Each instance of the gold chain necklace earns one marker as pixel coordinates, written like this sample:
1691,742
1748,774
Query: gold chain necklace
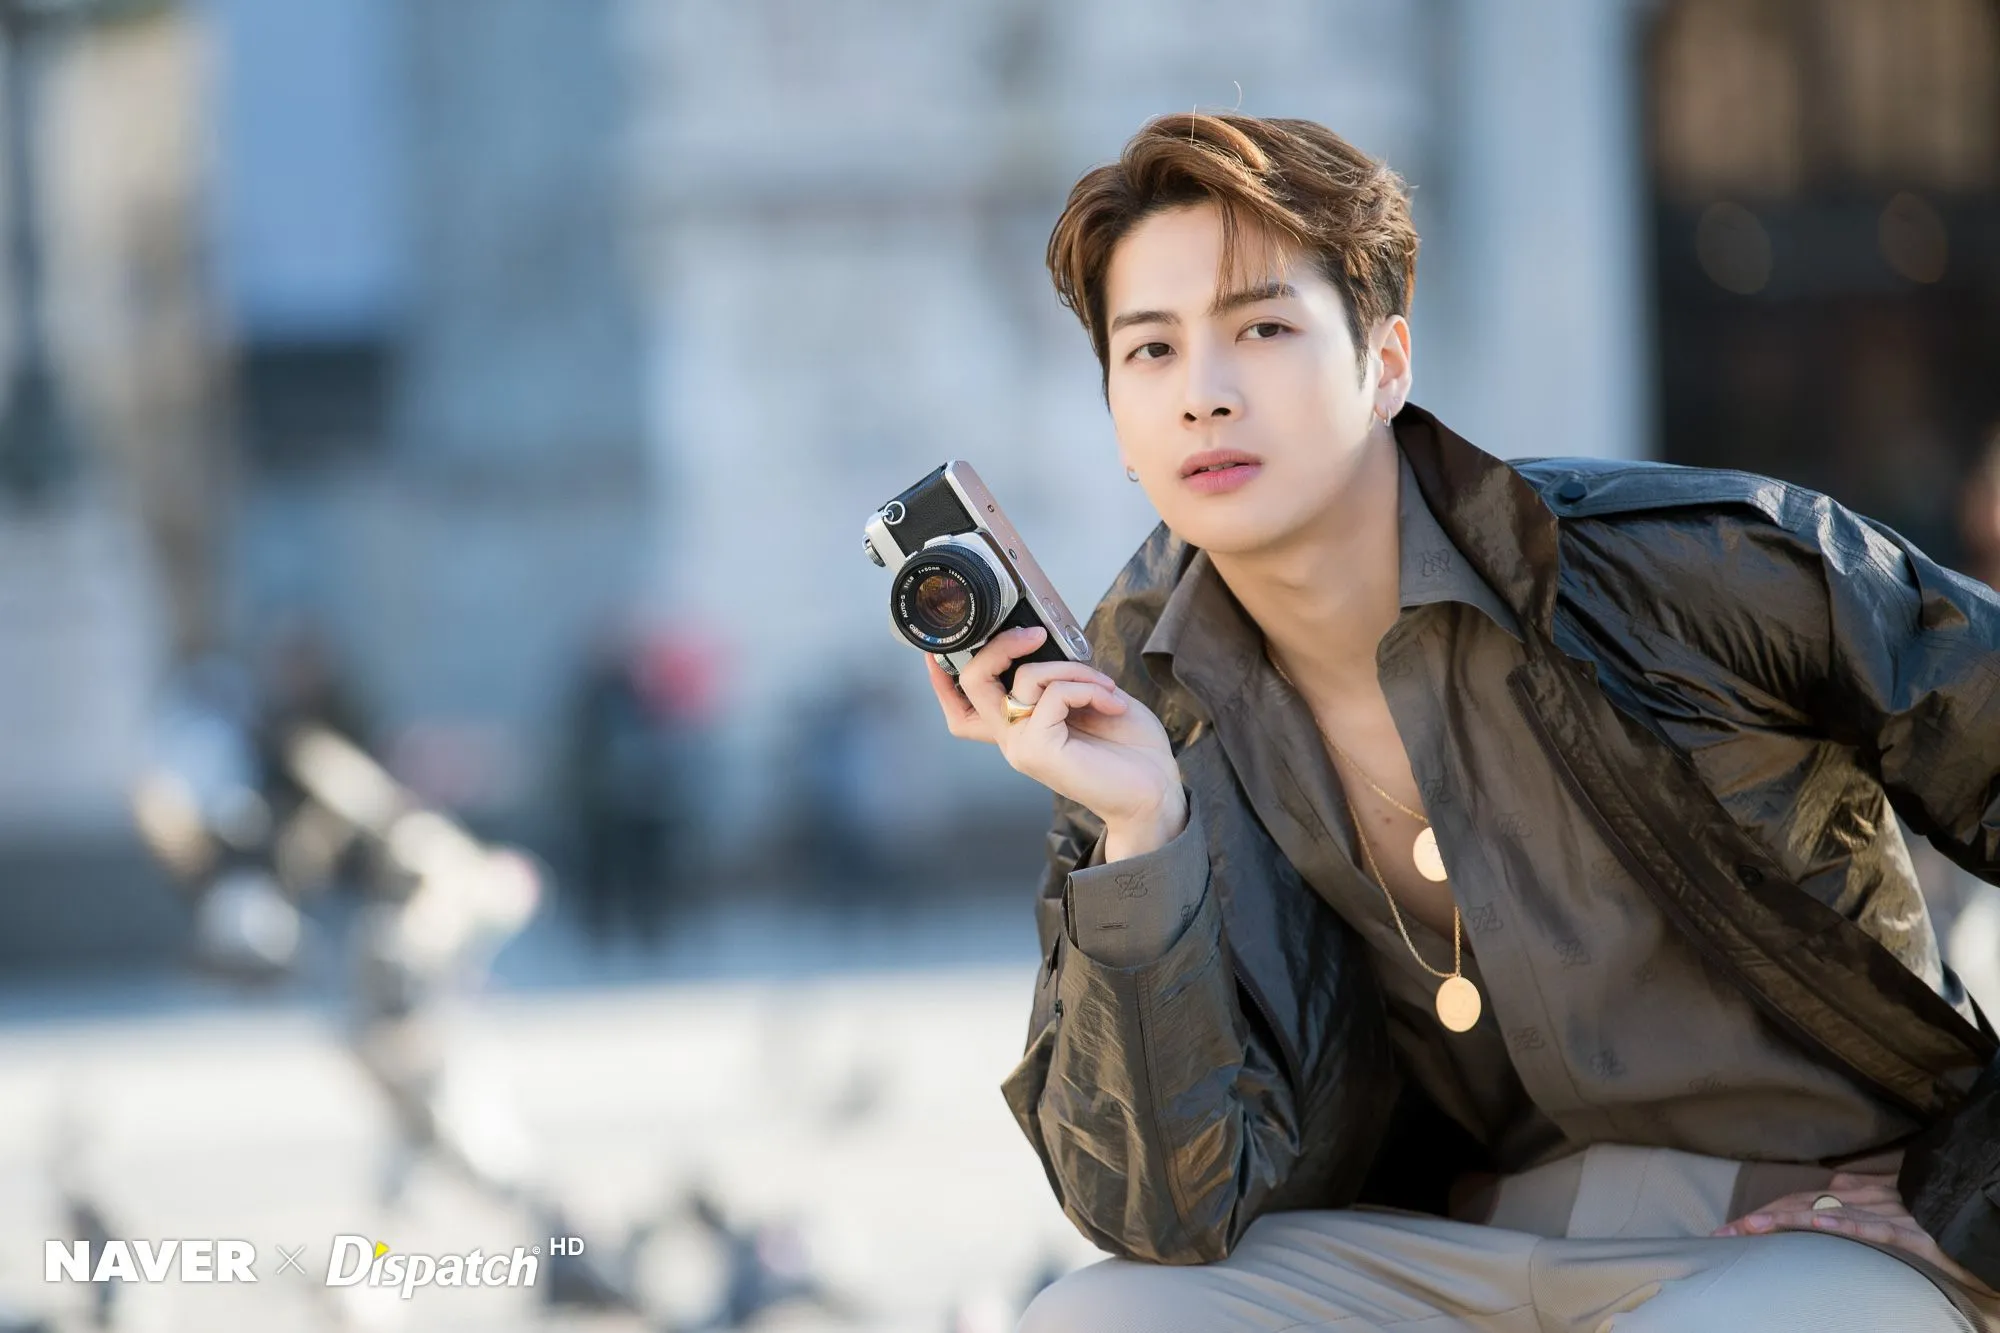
1458,1002
1430,861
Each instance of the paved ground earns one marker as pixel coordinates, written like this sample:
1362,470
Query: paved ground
835,1070
842,1075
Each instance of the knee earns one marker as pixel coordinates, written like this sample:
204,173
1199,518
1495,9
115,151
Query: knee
1117,1295
1799,1282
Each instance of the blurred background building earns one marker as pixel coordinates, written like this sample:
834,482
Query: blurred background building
465,348
506,384
468,347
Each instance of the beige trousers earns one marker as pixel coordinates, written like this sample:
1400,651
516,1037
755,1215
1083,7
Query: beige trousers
1612,1240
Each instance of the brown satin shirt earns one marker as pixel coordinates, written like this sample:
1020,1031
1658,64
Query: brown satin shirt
1601,1023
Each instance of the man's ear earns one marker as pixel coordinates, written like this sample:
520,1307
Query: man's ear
1391,360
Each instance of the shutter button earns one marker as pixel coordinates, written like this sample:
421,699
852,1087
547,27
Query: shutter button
1572,490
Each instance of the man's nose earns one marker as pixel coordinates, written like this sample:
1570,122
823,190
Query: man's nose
1210,391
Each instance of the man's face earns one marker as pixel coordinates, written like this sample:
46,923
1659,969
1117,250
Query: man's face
1265,369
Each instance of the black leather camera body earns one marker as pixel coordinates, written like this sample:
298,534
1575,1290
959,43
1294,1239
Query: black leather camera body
962,573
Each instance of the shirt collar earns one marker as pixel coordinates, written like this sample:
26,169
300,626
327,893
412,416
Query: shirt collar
1203,631
1432,569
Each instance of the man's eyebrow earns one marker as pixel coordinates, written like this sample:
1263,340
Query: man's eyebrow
1144,317
1270,291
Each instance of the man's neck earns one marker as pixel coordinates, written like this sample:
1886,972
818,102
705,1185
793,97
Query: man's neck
1325,597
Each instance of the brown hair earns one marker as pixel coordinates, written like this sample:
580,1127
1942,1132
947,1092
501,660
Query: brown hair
1298,182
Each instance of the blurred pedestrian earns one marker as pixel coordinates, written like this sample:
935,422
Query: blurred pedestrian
1979,513
636,737
301,683
844,790
1967,908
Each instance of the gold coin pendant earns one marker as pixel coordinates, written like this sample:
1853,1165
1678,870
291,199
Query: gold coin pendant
1430,861
1458,1004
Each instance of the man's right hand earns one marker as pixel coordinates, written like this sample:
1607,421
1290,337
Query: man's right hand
1087,739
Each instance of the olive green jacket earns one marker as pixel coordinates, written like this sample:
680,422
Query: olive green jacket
1249,1069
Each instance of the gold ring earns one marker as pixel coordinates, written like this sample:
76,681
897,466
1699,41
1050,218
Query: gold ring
1015,709
1826,1201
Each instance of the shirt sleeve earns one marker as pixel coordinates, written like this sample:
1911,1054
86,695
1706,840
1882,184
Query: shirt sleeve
1130,912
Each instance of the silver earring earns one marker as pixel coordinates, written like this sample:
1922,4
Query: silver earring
1131,475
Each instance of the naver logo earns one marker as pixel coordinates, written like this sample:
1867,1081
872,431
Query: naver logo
149,1261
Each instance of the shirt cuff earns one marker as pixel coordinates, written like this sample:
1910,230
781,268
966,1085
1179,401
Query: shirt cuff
1130,912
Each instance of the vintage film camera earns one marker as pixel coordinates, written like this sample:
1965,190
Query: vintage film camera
962,574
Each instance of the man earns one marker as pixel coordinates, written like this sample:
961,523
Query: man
1473,902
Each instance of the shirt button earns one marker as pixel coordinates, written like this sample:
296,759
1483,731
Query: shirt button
1572,490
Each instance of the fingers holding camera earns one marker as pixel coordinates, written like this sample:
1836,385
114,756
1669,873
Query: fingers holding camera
1082,737
975,707
1031,679
979,679
1055,702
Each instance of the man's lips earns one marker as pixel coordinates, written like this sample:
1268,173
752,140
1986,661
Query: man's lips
1210,459
1229,477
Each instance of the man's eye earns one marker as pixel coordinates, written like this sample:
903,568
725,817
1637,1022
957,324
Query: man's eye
1274,328
1145,352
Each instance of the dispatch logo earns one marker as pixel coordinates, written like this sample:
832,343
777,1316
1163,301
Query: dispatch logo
356,1260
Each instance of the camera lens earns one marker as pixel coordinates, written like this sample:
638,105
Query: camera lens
945,598
942,602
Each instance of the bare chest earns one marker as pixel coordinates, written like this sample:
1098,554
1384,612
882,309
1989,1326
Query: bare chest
1369,756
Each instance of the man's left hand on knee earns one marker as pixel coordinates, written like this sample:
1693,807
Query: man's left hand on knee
1871,1209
